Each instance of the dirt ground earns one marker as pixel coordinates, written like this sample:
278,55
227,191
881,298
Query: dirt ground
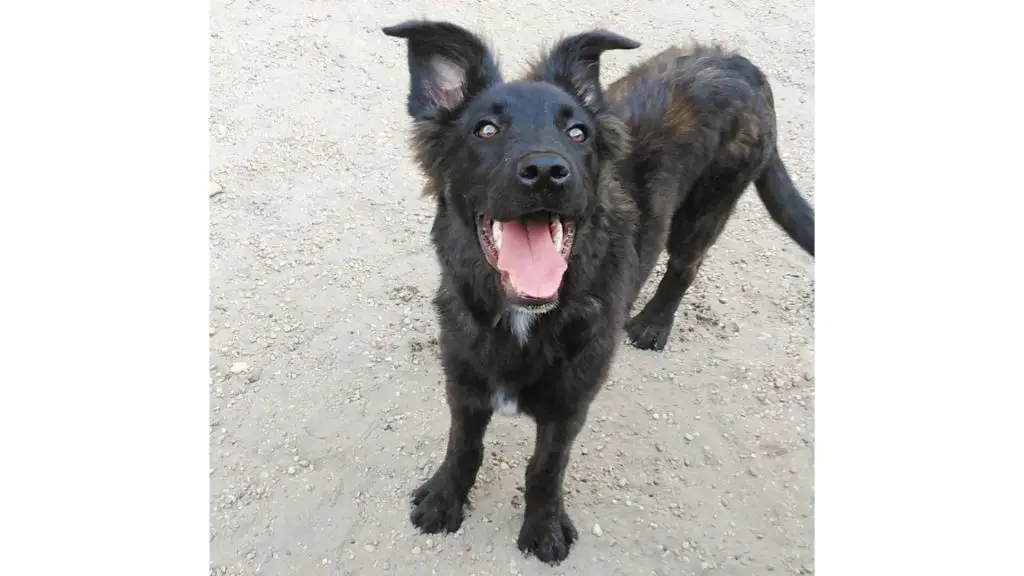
326,395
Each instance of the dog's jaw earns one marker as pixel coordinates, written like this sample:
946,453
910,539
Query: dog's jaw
492,237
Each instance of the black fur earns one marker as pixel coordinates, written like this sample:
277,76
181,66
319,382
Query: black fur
665,157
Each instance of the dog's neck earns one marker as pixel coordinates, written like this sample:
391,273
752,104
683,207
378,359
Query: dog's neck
520,323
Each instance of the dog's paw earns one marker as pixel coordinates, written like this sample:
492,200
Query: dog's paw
436,508
548,537
647,335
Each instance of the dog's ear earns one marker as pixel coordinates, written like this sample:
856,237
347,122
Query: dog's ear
574,64
448,65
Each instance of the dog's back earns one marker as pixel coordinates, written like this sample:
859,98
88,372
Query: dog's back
703,129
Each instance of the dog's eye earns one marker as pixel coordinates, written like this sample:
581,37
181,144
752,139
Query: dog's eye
577,133
486,130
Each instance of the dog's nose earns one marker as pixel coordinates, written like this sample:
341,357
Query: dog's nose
538,169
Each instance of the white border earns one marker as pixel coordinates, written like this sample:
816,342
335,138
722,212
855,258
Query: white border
918,324
104,214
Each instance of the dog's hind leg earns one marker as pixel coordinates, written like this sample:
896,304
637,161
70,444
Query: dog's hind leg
695,227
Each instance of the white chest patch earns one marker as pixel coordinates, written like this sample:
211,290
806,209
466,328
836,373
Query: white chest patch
520,323
503,403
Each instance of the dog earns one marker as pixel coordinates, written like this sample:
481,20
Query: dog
554,197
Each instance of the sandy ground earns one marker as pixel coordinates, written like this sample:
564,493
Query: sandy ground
325,386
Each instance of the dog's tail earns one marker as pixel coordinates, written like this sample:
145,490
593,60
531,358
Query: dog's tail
785,204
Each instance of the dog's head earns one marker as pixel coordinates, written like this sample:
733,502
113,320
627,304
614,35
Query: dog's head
519,163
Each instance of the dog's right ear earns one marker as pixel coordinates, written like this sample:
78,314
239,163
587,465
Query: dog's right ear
448,65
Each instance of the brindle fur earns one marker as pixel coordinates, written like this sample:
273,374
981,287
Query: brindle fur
674,143
702,122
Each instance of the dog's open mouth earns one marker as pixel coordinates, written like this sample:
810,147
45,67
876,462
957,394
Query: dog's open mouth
531,254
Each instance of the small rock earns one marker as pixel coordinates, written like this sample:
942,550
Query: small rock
369,547
430,543
688,437
808,376
753,472
622,482
722,300
597,530
504,466
658,447
807,568
256,374
416,550
304,463
239,367
291,469
215,189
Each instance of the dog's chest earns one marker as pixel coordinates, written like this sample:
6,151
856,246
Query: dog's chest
504,398
504,401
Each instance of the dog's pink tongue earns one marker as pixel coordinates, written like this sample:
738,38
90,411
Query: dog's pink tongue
530,258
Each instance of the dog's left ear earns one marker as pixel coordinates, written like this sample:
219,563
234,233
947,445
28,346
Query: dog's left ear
448,65
574,64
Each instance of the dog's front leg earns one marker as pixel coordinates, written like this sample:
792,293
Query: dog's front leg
438,503
547,531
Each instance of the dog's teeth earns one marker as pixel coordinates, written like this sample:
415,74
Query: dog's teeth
556,232
496,234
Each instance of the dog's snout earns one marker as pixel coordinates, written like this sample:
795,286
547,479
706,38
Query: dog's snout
539,169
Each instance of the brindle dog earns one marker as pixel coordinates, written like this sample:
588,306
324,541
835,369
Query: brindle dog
553,199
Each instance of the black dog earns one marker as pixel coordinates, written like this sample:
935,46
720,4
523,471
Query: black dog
554,200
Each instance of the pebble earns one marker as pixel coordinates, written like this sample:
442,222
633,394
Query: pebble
622,482
215,189
504,466
722,300
369,547
239,367
597,530
291,469
688,437
416,550
256,374
430,543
